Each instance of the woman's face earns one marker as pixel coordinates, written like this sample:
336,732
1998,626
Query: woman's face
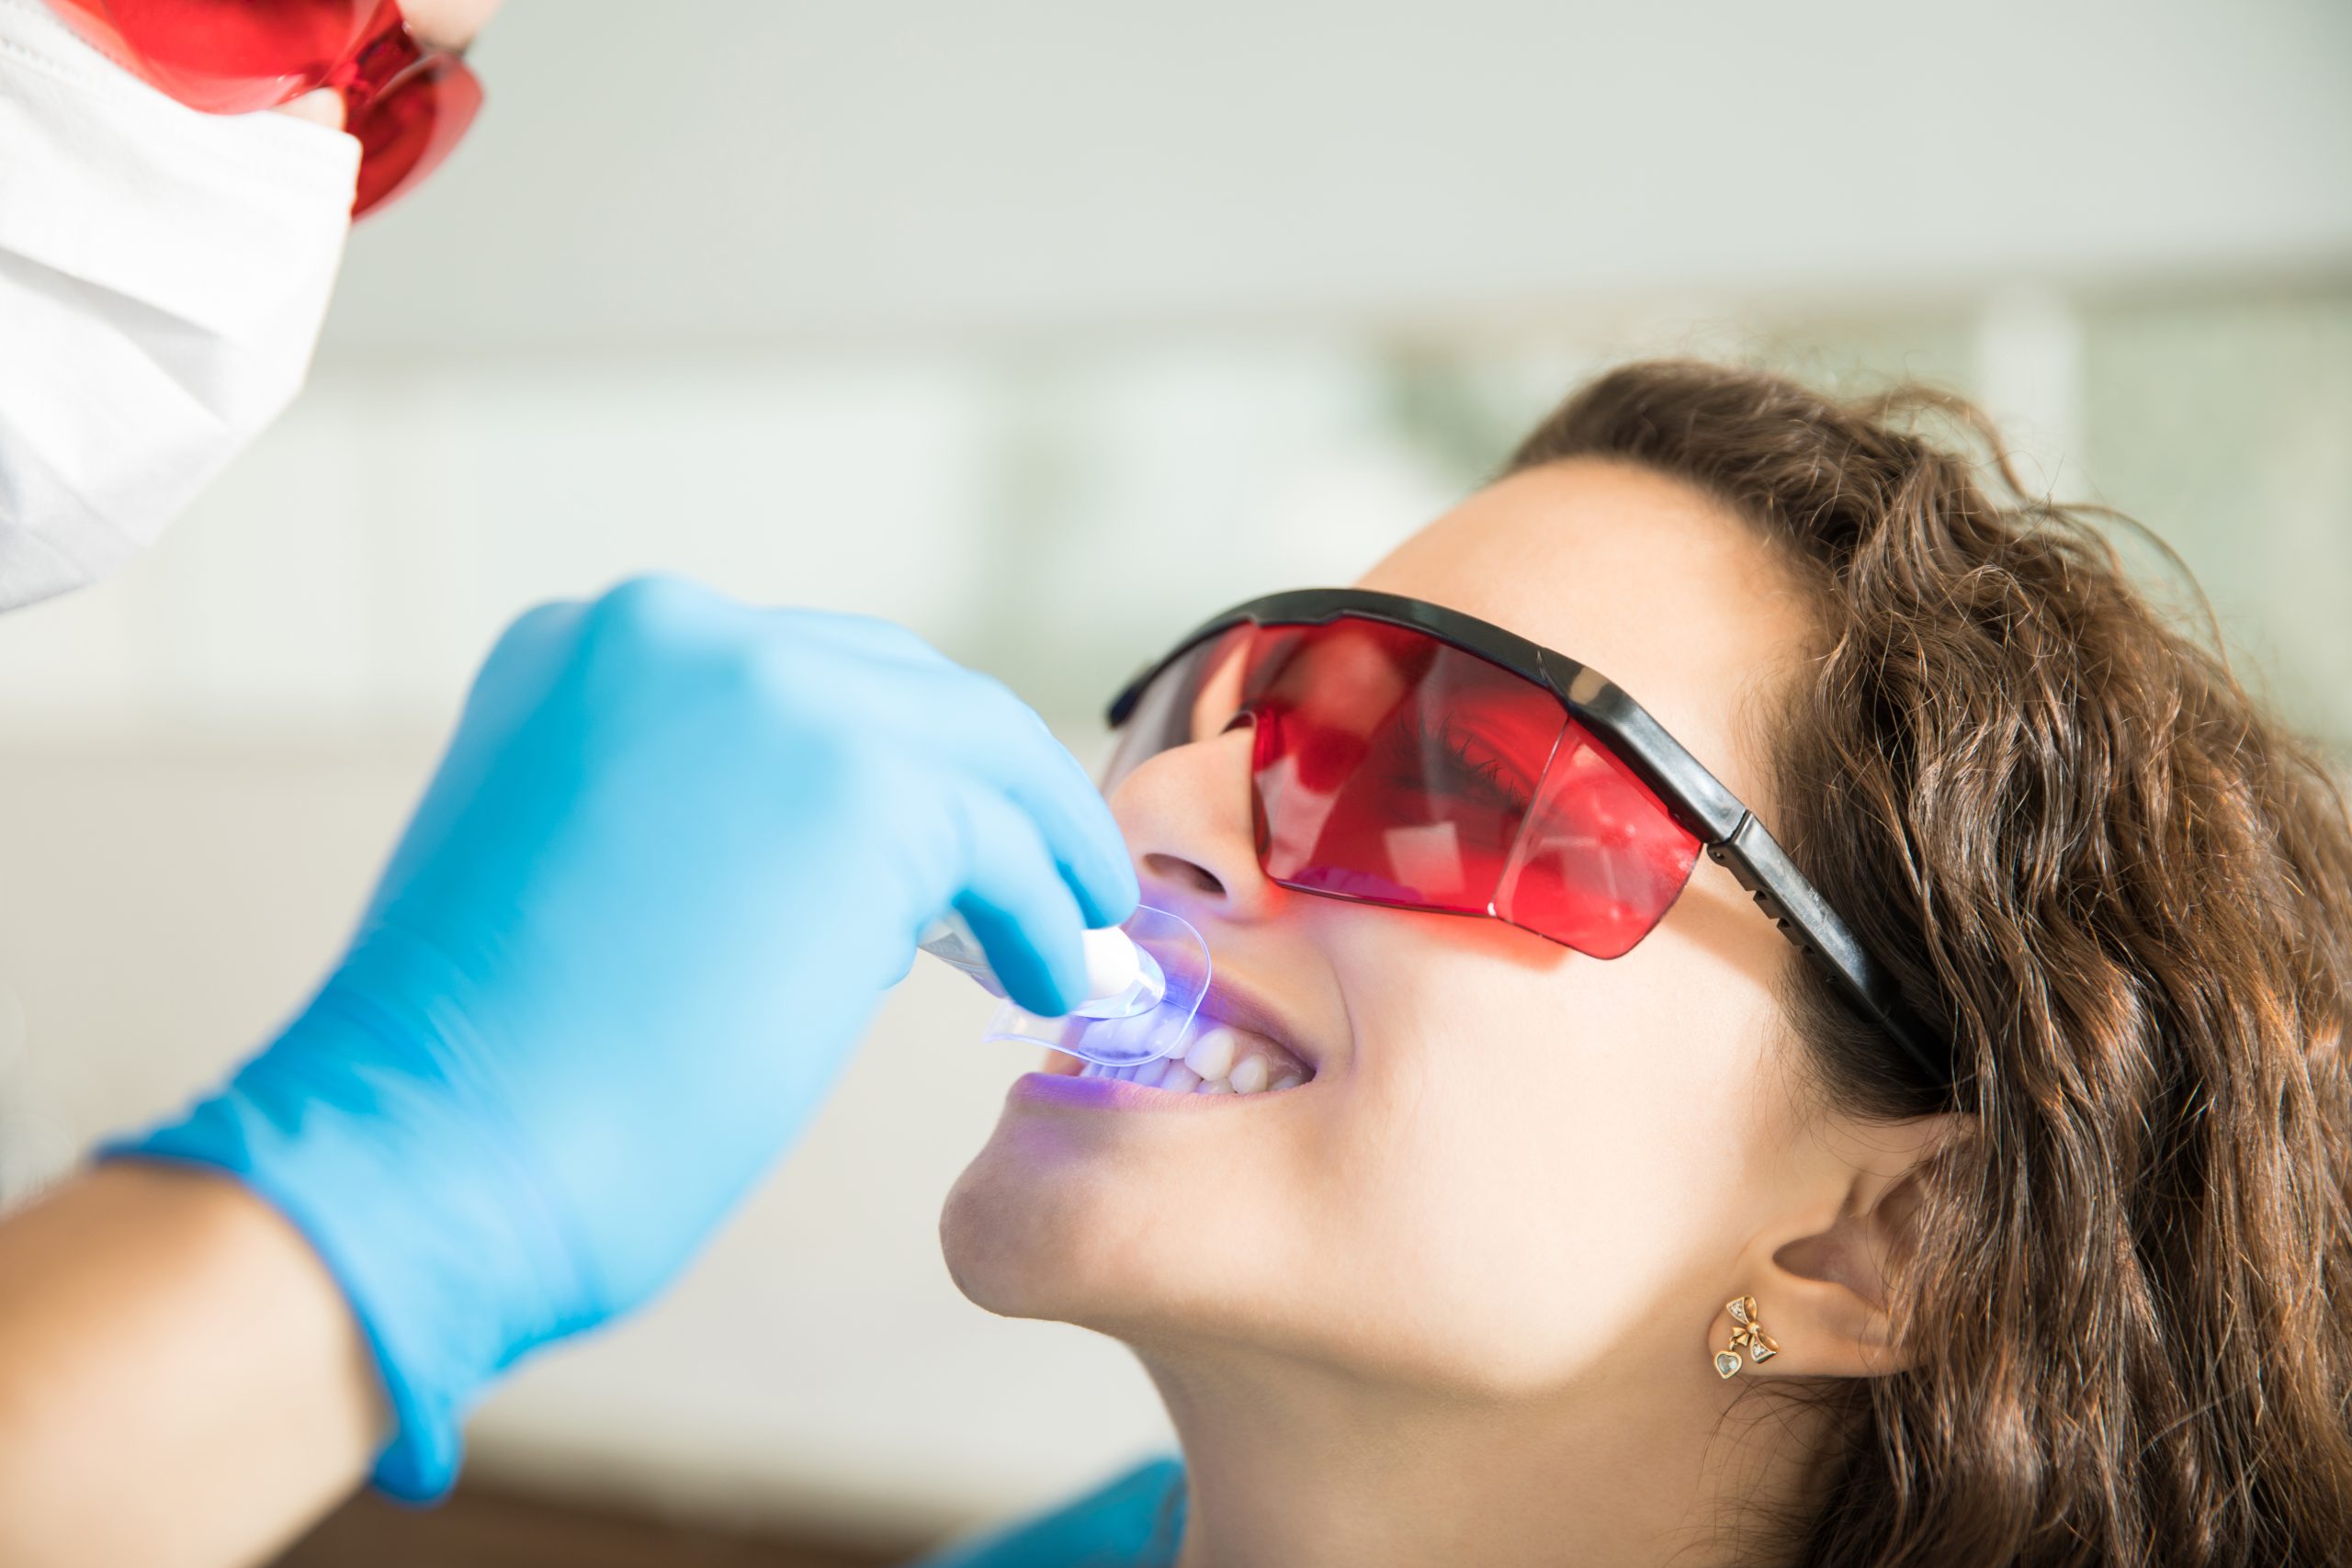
1511,1160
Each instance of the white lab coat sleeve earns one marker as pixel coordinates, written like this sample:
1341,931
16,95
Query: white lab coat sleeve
163,274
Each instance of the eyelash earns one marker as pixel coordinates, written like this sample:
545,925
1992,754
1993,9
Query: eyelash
1409,744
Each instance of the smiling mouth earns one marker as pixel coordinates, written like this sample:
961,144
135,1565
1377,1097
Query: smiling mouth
1217,1058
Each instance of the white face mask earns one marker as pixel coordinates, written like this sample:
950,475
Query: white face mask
162,276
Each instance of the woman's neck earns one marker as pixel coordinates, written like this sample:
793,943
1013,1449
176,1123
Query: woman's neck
1296,1465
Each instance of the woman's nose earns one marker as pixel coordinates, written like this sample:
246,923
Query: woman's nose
1186,815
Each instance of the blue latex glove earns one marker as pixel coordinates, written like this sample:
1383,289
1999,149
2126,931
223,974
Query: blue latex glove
676,850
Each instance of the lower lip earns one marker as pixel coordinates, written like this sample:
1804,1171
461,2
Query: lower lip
1115,1094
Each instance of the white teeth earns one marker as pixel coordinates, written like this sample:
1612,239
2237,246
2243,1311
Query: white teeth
1212,1053
1224,1060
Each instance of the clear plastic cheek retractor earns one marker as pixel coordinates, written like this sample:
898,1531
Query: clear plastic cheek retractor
1144,982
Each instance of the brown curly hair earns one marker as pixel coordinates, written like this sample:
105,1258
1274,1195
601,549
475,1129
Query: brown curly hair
2124,890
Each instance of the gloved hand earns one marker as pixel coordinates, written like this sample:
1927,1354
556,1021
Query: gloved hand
675,851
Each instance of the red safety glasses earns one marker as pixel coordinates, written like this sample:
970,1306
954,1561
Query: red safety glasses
1413,756
408,105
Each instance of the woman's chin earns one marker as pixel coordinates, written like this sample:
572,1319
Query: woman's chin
1024,1239
1013,1242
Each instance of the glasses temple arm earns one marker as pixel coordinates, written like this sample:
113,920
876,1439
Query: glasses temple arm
1735,840
1756,859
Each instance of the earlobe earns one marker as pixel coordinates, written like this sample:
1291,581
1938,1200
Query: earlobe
1827,1289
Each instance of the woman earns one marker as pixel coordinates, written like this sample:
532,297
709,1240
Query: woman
2001,1232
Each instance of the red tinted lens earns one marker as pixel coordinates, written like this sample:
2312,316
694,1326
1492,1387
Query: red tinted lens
1391,767
407,130
1601,860
228,56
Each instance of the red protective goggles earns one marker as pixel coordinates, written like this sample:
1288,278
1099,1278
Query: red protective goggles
1413,756
408,105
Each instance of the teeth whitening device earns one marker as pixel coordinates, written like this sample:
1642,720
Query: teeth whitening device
1144,982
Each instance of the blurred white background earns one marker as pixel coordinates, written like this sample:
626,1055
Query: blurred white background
1048,328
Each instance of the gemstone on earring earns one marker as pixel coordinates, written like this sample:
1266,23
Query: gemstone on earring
1759,1351
1739,1310
1726,1363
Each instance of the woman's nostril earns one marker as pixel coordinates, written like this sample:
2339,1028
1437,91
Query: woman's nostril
1183,873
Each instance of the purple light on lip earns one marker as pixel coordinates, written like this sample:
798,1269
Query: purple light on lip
1104,1093
1066,1086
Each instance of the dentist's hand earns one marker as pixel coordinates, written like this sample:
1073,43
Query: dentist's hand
675,851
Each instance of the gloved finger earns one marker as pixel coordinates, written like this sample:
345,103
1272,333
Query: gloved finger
891,683
1020,908
1038,775
868,634
522,663
1075,822
978,725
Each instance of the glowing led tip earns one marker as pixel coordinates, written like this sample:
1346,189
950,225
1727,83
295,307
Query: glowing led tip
1151,1013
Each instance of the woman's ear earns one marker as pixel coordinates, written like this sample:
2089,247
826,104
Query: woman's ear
1821,1283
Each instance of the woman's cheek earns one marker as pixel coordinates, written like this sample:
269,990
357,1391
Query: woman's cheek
1537,1173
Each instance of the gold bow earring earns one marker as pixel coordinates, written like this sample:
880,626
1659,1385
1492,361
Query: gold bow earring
1744,1332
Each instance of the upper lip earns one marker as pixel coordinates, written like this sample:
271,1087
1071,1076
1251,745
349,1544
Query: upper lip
1233,1001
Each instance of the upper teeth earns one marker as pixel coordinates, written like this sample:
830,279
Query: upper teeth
1220,1060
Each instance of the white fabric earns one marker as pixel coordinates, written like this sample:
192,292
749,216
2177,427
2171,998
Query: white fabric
163,276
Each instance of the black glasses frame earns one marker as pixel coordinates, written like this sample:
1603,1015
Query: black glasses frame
1697,800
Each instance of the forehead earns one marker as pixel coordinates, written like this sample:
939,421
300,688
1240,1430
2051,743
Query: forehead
1647,580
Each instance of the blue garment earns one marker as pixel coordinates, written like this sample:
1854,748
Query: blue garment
1138,1521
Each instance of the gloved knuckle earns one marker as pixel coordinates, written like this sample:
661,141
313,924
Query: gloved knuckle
904,642
650,610
985,699
987,688
539,626
939,835
967,829
546,613
781,682
838,781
